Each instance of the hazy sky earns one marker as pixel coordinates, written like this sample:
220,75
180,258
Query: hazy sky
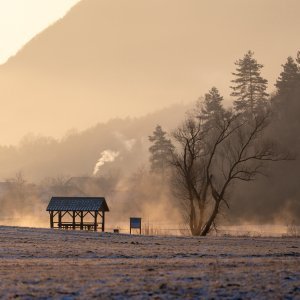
119,58
20,20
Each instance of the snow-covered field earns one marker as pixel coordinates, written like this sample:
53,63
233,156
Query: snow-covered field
53,264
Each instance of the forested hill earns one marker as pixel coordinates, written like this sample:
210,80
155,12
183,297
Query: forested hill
276,197
38,157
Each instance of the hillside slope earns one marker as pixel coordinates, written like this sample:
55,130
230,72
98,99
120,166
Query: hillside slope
127,58
77,153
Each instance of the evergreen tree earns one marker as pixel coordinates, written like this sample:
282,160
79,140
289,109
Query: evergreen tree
249,87
212,105
160,150
288,77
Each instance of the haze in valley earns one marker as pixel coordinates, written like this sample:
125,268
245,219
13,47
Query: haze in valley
101,78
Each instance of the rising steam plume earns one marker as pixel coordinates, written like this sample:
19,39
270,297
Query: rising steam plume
106,156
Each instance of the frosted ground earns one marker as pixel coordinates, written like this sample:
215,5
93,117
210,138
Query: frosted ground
53,264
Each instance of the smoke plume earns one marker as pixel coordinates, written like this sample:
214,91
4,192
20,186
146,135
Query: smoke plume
106,156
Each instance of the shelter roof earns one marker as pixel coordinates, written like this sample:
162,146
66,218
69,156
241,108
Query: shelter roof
77,204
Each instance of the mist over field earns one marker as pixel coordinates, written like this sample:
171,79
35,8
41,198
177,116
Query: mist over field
80,100
112,159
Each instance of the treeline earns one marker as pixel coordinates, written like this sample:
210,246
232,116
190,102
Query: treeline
276,197
218,151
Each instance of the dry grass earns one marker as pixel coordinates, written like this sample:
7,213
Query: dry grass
44,263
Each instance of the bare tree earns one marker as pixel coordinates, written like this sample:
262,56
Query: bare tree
209,160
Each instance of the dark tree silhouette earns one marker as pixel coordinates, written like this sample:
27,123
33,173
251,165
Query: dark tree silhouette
298,57
211,107
288,77
209,160
160,150
249,87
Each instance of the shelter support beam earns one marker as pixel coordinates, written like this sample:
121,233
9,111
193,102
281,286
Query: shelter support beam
59,219
81,220
103,220
95,226
51,219
74,218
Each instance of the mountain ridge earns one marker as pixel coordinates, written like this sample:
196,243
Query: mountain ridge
109,59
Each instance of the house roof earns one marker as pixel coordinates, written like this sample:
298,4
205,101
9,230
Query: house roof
77,204
86,185
80,180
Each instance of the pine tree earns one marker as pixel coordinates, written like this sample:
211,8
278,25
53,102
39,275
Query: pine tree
212,104
249,87
160,150
288,76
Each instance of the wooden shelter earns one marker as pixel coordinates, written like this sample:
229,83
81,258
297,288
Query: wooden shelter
77,209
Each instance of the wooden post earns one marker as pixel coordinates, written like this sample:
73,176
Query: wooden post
95,225
73,220
81,220
51,219
103,220
59,219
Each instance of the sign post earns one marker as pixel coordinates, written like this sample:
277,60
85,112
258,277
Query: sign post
136,223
